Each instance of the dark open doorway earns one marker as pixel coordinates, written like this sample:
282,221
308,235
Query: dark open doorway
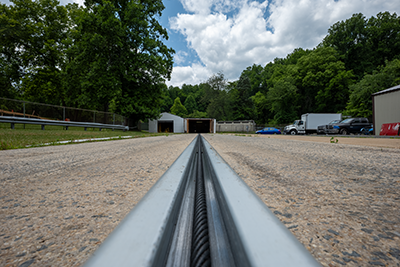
199,126
165,126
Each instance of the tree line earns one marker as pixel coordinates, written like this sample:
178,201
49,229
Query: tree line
108,55
358,57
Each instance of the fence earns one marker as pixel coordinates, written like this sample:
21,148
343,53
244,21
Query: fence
235,126
26,109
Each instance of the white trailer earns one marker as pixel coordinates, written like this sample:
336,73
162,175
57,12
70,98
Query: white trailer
309,122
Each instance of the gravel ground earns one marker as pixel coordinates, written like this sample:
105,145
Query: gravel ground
341,201
57,204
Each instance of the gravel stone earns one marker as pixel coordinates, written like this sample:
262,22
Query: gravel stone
75,178
340,262
367,230
27,263
333,232
342,187
378,263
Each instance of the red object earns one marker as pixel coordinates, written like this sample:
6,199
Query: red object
390,129
67,119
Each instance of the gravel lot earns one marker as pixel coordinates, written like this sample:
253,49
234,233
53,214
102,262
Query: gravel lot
341,201
57,204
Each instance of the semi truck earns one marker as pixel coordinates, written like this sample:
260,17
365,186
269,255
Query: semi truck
309,122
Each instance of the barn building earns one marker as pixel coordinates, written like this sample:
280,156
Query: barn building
386,107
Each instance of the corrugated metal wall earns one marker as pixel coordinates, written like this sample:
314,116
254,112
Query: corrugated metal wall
178,123
386,109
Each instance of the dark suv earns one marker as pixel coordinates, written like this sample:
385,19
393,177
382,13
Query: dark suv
353,125
327,128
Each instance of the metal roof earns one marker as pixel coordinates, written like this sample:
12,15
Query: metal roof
391,89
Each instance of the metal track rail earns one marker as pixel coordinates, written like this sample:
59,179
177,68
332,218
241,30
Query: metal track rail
200,213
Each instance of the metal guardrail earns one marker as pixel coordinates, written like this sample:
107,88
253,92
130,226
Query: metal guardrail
152,233
43,123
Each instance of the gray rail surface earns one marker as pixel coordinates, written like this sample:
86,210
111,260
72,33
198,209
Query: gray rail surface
149,235
21,120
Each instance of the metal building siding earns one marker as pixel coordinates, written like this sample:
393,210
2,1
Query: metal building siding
178,123
153,126
386,109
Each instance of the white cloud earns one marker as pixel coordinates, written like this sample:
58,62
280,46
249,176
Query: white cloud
198,7
230,44
180,57
193,74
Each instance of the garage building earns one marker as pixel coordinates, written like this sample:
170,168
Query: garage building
167,123
386,107
200,125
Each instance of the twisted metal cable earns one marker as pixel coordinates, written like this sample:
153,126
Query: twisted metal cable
200,245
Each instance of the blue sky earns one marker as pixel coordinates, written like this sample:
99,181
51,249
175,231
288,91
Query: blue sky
228,36
211,36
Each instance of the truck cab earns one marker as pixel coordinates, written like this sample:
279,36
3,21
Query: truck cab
298,127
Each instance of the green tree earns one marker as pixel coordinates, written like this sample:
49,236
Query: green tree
190,104
243,108
197,114
254,74
283,98
261,108
364,43
360,102
167,100
322,81
220,107
178,109
32,44
212,87
119,56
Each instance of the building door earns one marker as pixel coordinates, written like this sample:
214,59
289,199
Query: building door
165,126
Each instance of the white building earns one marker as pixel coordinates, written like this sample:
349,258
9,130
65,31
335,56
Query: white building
174,124
167,123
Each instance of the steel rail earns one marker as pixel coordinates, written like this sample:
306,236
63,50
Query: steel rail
161,229
21,120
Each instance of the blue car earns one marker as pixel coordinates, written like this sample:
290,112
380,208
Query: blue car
269,130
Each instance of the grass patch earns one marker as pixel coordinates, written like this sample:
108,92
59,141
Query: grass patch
32,135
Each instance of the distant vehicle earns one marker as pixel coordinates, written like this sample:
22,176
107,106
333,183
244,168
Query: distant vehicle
353,125
269,130
367,131
309,122
327,128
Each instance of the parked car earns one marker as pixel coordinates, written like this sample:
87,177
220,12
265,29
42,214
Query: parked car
327,128
353,125
269,130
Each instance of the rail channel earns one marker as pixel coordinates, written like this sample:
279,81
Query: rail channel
201,213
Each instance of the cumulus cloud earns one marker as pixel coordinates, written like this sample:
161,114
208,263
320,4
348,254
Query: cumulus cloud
232,43
180,57
193,74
